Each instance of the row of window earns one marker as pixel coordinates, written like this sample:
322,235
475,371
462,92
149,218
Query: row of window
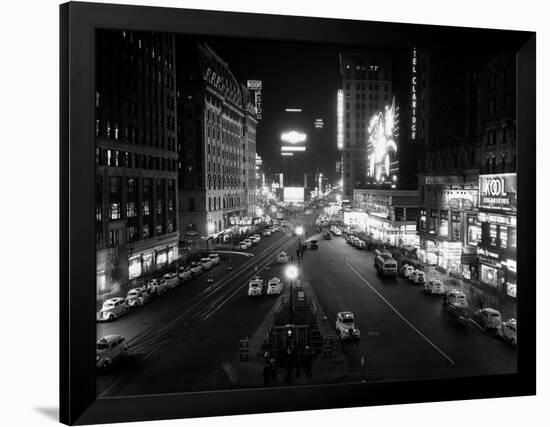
153,136
216,203
115,209
124,159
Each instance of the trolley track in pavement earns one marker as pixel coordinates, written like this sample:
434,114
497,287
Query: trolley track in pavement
150,344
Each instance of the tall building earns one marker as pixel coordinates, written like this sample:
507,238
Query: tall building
136,155
496,249
448,138
216,143
366,90
467,180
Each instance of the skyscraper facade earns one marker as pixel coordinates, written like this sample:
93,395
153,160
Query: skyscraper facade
136,155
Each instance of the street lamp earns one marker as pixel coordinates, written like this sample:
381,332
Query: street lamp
291,274
299,230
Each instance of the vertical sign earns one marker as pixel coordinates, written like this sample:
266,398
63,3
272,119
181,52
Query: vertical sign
256,87
414,78
340,116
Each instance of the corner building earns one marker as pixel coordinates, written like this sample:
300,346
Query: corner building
216,144
136,155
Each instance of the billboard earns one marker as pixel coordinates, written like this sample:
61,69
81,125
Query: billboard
498,192
293,194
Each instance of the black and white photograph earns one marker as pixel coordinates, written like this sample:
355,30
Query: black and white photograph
262,214
274,213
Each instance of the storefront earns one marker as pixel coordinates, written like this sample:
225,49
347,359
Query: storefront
498,237
387,216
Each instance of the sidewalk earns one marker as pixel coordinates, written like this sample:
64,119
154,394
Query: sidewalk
249,373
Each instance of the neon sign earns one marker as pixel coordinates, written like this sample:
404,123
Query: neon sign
340,116
414,78
381,143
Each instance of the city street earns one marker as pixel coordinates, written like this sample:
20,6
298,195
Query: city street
182,340
196,318
404,333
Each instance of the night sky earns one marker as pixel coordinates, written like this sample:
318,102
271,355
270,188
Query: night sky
293,74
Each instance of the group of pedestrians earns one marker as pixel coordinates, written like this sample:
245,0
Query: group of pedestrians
294,361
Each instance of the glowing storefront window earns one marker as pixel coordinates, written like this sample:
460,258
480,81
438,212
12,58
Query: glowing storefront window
489,275
444,228
100,280
134,267
511,290
162,257
503,237
147,261
493,234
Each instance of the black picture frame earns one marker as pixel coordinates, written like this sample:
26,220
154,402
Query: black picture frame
78,402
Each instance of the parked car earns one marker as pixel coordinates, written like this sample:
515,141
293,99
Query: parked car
256,287
248,242
255,238
267,232
136,297
196,268
215,258
162,287
109,349
242,246
111,309
327,236
206,263
508,331
172,280
185,274
360,244
457,298
282,258
313,245
274,286
434,287
345,326
406,270
489,318
417,277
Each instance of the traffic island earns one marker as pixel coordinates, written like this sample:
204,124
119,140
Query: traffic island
294,345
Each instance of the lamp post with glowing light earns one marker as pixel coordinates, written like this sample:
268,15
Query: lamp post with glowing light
291,274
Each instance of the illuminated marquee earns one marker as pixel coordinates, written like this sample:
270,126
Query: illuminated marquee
414,78
340,117
382,148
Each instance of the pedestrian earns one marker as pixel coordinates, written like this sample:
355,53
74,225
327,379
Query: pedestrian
445,299
481,303
267,375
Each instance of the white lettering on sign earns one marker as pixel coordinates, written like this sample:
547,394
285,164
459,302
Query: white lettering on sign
495,187
258,102
487,253
254,84
413,94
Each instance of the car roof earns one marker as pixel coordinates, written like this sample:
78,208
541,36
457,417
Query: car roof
345,314
490,310
113,300
108,339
